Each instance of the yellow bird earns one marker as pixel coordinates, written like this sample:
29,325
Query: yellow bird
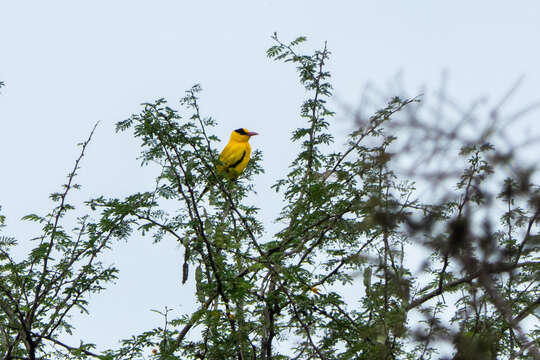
235,156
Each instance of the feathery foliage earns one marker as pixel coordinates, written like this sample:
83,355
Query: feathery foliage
335,282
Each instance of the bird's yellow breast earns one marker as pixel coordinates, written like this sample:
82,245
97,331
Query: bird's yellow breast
234,158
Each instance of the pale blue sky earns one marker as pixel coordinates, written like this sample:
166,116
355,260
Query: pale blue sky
68,64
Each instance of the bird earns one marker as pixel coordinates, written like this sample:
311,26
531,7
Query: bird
234,158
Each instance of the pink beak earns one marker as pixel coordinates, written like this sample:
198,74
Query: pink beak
252,133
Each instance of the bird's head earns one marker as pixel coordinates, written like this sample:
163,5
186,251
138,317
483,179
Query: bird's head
242,135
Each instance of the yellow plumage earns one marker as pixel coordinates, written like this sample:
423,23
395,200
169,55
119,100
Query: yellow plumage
234,157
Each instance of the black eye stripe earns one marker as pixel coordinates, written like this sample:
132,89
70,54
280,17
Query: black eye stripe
241,131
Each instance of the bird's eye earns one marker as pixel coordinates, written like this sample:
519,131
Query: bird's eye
241,131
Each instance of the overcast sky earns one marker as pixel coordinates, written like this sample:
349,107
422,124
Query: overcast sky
68,64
